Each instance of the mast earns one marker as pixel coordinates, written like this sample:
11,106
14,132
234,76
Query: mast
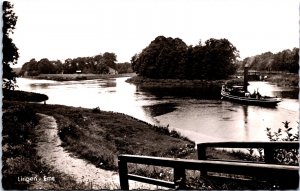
246,77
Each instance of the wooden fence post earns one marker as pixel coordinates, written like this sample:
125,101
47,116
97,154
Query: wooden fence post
123,174
202,156
269,155
179,178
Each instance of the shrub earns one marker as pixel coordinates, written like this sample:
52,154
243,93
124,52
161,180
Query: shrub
285,156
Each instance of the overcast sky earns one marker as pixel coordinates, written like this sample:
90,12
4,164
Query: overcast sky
61,29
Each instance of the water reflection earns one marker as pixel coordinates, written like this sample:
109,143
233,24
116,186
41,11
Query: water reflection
245,112
199,115
160,109
193,92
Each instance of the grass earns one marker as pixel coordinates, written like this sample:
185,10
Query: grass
99,137
19,156
284,79
18,95
72,77
171,83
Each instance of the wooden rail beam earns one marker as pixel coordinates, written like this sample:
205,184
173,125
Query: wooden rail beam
268,147
261,171
267,171
153,181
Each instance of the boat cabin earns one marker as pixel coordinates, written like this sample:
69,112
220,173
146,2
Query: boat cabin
236,90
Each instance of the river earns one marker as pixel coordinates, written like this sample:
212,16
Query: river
200,119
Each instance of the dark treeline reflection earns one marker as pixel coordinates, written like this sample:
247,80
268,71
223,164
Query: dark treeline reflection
201,93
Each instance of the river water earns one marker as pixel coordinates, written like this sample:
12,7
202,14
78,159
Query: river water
200,118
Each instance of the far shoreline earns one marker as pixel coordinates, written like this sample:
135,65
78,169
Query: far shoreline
77,77
282,80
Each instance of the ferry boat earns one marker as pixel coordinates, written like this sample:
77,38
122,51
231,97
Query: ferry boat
238,94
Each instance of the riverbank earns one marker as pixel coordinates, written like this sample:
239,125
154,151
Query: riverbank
22,167
75,77
171,83
284,79
17,95
90,134
93,135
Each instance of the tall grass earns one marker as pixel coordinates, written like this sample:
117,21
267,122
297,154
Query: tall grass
19,155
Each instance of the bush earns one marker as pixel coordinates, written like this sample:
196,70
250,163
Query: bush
285,156
281,156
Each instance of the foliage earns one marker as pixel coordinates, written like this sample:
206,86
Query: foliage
286,60
281,156
18,122
283,135
96,64
285,156
10,51
123,68
19,155
168,58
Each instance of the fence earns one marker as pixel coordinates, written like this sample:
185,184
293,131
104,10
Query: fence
268,147
286,175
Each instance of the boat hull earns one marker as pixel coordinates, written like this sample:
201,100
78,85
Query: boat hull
267,102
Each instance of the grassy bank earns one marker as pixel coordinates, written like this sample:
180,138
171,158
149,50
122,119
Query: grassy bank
18,95
98,137
19,156
73,77
148,82
284,79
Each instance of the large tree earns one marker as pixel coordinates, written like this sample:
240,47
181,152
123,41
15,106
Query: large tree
172,58
10,51
219,59
163,58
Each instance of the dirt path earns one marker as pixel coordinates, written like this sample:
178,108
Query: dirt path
50,150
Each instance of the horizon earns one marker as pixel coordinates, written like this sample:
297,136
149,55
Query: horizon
127,27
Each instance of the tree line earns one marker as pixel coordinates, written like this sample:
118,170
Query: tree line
168,58
286,61
98,64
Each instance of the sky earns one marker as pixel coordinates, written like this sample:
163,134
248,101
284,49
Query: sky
61,29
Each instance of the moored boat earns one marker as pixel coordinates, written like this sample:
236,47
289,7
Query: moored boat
238,94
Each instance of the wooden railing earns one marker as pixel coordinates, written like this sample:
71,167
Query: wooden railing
268,148
261,171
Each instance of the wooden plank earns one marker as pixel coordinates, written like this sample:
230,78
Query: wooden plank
123,175
153,181
202,156
269,155
179,178
275,144
268,147
243,161
252,169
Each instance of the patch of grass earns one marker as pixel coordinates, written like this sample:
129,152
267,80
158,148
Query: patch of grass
77,77
167,83
100,137
17,95
284,79
19,155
